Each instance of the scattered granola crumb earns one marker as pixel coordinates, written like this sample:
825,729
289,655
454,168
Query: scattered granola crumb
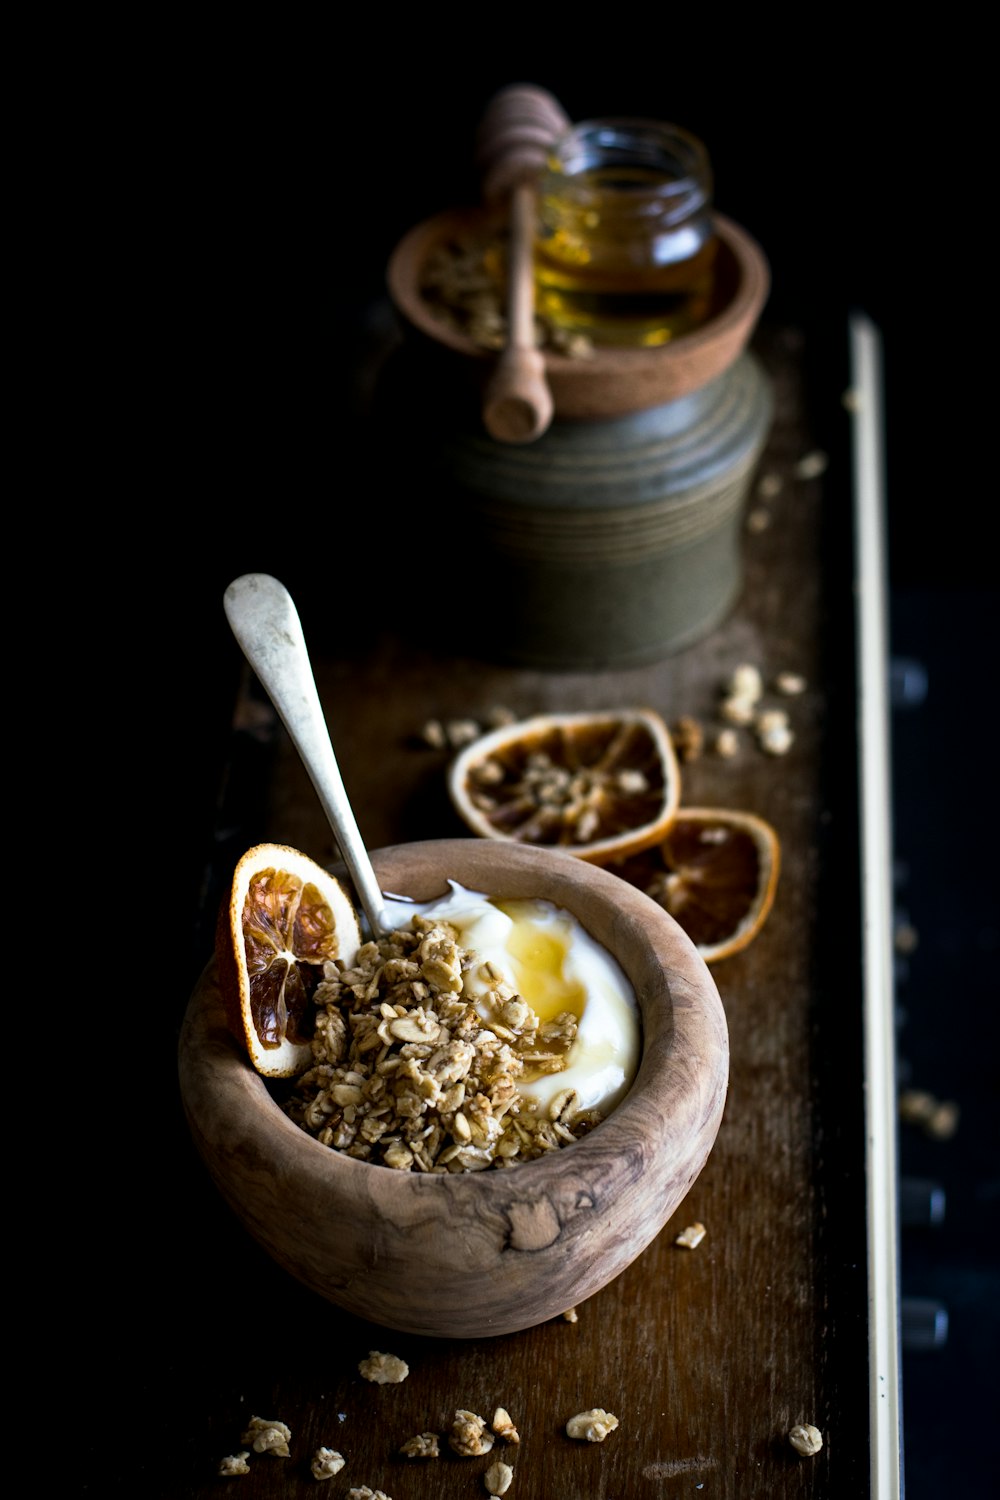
745,681
362,1492
811,465
688,737
943,1121
770,485
497,1478
939,1117
758,519
727,743
235,1463
264,1436
383,1369
326,1462
770,721
433,734
504,1427
806,1439
498,716
916,1106
774,737
790,684
905,938
571,1315
424,1445
468,1436
691,1236
462,732
592,1426
737,710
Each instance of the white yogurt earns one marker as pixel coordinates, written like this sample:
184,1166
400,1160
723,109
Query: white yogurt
554,964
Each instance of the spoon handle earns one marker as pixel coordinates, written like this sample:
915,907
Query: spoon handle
266,623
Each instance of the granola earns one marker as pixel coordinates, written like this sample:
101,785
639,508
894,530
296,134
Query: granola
691,1237
423,1445
383,1369
265,1436
463,284
503,1426
469,1436
326,1462
806,1439
412,1075
591,1426
235,1463
498,1478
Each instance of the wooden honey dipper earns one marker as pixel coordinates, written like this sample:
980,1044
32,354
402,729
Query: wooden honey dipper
517,130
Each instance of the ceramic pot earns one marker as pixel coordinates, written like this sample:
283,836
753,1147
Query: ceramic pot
615,538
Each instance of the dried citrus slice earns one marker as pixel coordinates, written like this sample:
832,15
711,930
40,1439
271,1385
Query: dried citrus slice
715,872
598,785
284,917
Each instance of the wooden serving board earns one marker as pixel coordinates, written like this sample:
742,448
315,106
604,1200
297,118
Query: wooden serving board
707,1356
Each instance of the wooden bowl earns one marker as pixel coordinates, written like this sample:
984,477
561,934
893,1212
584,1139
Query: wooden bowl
478,1254
614,381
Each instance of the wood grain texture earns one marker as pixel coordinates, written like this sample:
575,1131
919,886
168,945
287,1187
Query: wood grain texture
479,1254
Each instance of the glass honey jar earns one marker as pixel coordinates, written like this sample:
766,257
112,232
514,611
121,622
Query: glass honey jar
625,241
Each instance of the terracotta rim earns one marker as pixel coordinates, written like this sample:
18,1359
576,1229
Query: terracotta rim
587,387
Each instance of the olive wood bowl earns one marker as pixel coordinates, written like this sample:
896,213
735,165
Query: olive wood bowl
468,1255
614,380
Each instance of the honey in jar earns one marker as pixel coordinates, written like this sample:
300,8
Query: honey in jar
625,241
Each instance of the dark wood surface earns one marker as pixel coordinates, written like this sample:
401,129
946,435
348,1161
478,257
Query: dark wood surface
708,1356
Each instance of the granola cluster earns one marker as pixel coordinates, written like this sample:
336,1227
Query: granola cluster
559,797
463,284
410,1074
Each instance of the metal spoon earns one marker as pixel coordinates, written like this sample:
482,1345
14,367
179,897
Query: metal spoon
266,623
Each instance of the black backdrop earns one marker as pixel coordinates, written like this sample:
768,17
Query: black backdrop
235,198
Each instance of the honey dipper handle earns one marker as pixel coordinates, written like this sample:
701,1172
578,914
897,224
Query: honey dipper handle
517,131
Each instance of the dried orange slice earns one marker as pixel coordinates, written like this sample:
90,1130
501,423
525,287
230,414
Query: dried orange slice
284,917
716,873
598,785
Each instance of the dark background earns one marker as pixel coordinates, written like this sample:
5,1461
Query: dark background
242,193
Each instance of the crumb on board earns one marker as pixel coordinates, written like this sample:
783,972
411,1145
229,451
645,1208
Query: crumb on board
266,1436
469,1436
688,738
235,1463
326,1462
591,1426
691,1237
937,1117
383,1369
727,743
806,1439
498,1478
503,1426
422,1445
811,465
